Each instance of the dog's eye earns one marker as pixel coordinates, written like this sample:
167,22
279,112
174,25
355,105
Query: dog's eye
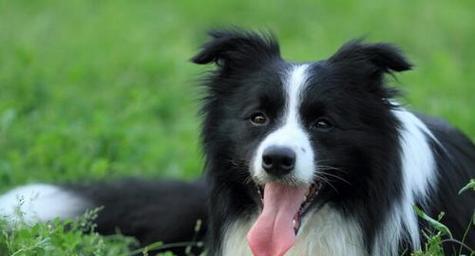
322,124
258,119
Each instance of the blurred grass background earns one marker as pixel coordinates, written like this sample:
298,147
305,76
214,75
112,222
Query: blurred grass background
99,89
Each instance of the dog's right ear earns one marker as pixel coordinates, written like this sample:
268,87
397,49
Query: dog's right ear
234,48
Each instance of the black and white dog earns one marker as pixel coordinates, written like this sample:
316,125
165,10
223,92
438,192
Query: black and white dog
312,158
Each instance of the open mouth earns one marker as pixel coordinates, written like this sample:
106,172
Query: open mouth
283,207
311,194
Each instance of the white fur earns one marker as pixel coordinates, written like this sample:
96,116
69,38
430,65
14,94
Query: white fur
323,232
419,178
291,134
235,242
39,203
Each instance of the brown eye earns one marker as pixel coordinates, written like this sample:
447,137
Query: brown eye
322,124
258,119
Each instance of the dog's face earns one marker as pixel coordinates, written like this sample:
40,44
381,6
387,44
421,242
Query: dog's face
304,133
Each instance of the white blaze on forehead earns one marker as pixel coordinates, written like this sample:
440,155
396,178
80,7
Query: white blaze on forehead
291,133
294,87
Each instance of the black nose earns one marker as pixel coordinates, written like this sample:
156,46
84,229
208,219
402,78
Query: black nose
278,161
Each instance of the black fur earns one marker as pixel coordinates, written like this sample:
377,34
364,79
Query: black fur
456,164
150,211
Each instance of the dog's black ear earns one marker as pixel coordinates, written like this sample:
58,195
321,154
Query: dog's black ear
376,58
237,47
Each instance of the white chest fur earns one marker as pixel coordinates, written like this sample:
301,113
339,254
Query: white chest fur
325,232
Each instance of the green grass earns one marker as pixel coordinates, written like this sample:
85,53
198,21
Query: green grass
60,238
98,89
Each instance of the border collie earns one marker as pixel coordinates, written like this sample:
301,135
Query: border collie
314,158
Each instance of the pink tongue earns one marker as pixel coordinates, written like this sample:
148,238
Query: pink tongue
273,233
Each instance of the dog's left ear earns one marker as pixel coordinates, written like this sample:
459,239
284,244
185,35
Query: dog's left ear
237,48
375,59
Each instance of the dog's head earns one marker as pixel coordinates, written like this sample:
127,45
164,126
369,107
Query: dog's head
304,133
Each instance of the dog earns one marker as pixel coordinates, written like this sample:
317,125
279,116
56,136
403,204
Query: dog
314,158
